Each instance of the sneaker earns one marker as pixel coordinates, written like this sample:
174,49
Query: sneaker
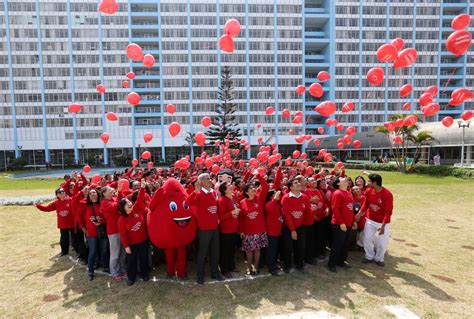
200,281
63,254
332,268
366,261
380,263
218,277
117,278
90,276
311,262
129,282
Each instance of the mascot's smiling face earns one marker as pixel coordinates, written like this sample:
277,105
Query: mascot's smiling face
171,222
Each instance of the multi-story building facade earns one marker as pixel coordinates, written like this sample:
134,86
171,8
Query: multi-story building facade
54,53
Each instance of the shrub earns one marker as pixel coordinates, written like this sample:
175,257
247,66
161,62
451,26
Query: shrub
19,162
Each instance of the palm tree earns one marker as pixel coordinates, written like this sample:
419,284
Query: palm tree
189,139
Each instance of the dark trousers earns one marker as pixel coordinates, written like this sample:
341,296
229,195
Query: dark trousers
95,244
139,255
295,247
228,243
79,245
272,253
309,243
320,238
64,240
208,242
339,246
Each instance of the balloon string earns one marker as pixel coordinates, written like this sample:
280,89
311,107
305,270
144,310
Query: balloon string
449,80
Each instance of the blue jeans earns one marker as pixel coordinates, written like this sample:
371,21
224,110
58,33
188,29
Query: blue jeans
95,243
272,252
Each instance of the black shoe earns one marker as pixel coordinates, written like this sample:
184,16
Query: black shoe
200,281
380,263
218,277
286,270
129,282
107,270
146,278
301,270
311,262
332,268
90,277
254,273
63,254
275,273
366,261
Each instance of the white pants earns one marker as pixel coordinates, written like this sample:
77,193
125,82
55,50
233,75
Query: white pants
375,245
360,237
117,255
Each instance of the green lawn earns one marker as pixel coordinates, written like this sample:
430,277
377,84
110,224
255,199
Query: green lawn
428,269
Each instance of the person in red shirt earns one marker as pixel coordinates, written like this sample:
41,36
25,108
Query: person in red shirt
296,206
378,209
321,229
108,205
204,200
65,217
274,223
342,222
308,221
252,222
134,236
92,219
359,202
228,213
361,183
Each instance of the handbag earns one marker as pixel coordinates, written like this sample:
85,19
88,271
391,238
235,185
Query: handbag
101,232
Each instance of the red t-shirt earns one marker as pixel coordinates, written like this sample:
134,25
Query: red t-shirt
132,227
63,208
88,216
361,202
206,209
227,223
111,214
379,205
252,214
342,208
273,218
295,209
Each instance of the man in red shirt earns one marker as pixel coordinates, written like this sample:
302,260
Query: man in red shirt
378,209
204,200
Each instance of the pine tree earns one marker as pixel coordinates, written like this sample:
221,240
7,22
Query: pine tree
224,123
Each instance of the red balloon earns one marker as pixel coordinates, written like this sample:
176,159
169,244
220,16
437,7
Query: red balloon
260,139
356,143
303,155
447,121
134,52
308,137
296,154
398,140
285,113
147,137
134,162
274,146
246,147
300,89
208,162
148,60
288,161
299,113
316,90
328,157
466,115
270,110
206,121
461,21
309,170
410,120
406,106
133,98
291,132
406,90
259,125
130,75
405,58
347,139
174,129
105,137
86,169
326,108
297,120
170,108
425,99
146,155
329,122
320,130
111,116
458,42
100,88
232,27
149,164
387,52
215,169
398,43
351,130
347,107
125,183
461,94
323,76
322,152
125,84
75,108
433,90
453,102
299,139
430,109
226,43
340,146
339,127
96,178
375,76
253,163
399,123
317,142
200,138
236,151
390,126
108,6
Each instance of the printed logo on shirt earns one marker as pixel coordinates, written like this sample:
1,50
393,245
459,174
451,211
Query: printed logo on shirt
350,206
252,215
280,219
136,226
314,207
212,209
374,207
63,213
297,214
136,215
320,205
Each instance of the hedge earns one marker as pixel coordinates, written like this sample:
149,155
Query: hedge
440,170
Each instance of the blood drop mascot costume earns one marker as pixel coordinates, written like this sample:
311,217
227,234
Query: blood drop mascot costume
172,225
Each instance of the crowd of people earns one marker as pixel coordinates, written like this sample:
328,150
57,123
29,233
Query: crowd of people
279,218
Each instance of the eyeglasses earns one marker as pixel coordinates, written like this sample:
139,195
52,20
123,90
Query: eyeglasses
61,191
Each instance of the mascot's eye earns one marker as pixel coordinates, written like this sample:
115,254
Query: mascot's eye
173,206
185,205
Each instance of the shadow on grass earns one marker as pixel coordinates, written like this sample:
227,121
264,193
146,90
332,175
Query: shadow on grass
227,299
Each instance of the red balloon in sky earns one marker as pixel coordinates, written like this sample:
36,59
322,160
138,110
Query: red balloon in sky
125,84
300,89
291,132
398,43
108,6
430,109
133,98
86,169
170,108
317,142
297,120
100,88
105,137
466,115
405,58
387,53
447,121
425,99
339,127
356,143
351,130
200,138
323,76
296,154
146,155
405,90
232,27
149,164
461,21
347,107
174,129
461,94
406,106
134,52
285,113
148,60
320,130
75,108
326,108
375,76
316,90
226,43
206,121
147,137
270,110
130,75
433,90
111,116
397,140
134,162
458,42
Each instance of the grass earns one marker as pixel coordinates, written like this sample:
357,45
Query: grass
428,269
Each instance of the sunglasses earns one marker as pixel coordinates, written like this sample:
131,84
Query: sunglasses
61,191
